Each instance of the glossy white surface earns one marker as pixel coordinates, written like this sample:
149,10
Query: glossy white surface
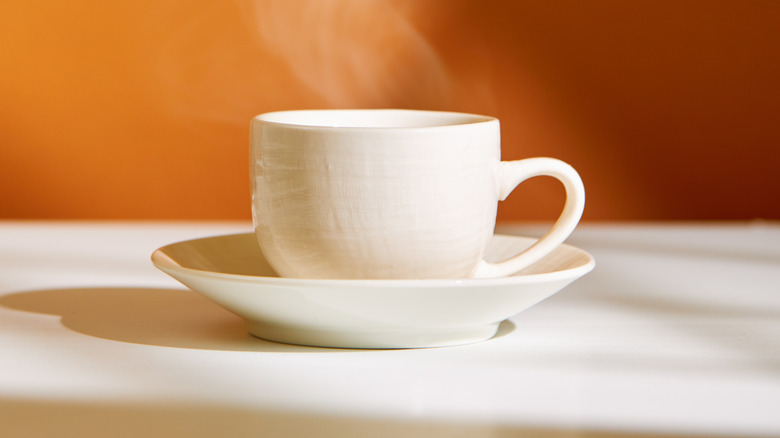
231,271
390,194
676,331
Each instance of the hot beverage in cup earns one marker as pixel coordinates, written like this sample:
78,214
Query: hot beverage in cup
390,194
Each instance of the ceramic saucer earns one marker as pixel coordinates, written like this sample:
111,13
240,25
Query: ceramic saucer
231,271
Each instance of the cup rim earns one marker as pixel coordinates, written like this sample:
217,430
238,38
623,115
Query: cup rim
361,119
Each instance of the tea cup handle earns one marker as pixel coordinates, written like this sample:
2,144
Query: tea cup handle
512,173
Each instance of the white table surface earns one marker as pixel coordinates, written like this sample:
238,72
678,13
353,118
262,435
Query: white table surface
676,331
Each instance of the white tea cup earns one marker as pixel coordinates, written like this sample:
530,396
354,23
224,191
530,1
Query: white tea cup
390,194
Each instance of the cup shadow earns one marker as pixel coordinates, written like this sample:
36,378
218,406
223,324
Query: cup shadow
155,316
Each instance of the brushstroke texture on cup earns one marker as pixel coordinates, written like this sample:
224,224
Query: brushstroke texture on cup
390,194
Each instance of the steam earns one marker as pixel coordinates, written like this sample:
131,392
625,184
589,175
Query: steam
353,53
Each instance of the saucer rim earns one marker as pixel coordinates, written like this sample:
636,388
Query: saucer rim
166,263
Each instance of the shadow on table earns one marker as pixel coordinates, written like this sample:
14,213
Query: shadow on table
161,317
71,419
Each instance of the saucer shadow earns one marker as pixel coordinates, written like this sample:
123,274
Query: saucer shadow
160,317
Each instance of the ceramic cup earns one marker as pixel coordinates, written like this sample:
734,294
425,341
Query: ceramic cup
390,194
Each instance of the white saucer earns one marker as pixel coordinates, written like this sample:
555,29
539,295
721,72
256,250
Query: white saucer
231,271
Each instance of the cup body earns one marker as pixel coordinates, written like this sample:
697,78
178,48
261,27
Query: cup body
374,194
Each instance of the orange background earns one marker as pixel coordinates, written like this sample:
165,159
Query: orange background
140,109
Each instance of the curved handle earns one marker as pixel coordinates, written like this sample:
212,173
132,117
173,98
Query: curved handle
512,173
